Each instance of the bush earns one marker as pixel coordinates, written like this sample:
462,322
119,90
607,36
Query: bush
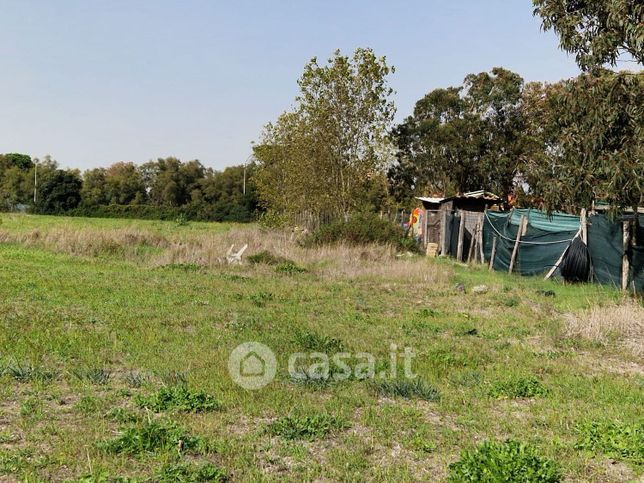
509,461
361,229
408,389
179,398
267,258
306,427
615,439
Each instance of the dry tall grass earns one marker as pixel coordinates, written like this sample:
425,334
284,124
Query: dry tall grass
624,322
209,250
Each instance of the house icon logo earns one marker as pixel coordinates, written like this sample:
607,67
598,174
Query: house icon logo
252,365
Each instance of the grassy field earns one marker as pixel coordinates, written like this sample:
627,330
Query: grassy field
115,337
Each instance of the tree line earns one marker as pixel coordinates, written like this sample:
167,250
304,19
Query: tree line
555,146
166,188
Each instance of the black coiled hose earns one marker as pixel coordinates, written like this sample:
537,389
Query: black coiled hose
576,264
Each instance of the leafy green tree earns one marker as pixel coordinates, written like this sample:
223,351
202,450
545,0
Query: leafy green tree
124,184
322,155
587,141
462,138
14,185
59,191
596,31
94,191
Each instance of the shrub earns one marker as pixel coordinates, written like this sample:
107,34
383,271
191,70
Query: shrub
408,389
518,387
615,439
186,473
179,398
361,229
306,427
152,436
508,461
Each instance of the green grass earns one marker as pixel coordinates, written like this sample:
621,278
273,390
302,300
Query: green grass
87,341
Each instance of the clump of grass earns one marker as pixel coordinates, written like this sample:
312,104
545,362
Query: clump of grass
260,299
135,379
615,439
307,427
190,473
27,372
289,268
319,343
508,461
151,437
178,398
518,387
122,415
408,389
186,267
267,258
87,405
174,378
95,375
510,301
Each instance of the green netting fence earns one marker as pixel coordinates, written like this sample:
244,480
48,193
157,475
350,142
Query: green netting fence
548,236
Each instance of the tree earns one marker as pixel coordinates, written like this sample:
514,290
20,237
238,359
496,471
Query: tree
462,138
14,175
59,191
322,155
94,191
587,141
124,184
596,31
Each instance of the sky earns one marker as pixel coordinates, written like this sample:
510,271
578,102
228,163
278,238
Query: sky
95,82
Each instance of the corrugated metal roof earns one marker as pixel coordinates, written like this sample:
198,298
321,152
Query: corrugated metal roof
430,199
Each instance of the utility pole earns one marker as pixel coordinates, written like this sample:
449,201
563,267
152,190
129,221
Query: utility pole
35,182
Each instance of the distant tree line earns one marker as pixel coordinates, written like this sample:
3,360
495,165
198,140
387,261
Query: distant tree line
166,189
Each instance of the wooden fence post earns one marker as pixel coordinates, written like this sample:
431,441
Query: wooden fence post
444,233
493,254
583,219
461,232
515,251
425,238
471,254
626,228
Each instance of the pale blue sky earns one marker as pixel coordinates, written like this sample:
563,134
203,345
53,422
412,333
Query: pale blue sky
95,82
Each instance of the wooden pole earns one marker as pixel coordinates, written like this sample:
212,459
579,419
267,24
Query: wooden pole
461,232
481,225
425,239
515,251
493,254
626,228
471,253
444,233
583,219
563,254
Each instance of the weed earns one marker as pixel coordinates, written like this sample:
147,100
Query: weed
267,258
261,298
135,379
178,398
95,375
508,461
174,378
518,387
408,389
151,437
87,405
27,372
510,301
421,444
319,343
307,427
188,473
289,268
613,438
122,415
